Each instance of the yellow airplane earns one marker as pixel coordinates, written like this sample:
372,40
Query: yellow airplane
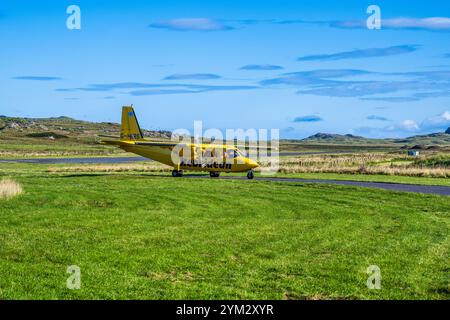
213,158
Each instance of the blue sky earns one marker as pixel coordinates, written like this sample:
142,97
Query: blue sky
303,67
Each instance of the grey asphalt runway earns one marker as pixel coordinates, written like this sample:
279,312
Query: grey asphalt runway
439,190
77,160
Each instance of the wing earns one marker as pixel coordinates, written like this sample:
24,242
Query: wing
140,143
156,144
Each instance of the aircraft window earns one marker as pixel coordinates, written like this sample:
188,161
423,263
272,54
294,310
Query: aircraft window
232,153
208,154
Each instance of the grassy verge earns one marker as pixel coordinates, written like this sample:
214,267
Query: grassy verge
143,236
369,178
36,149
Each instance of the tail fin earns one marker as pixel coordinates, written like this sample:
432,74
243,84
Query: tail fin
130,129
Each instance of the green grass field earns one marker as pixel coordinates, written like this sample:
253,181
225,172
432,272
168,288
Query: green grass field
369,178
144,236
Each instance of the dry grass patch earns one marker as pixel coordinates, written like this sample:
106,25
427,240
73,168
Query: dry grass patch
9,188
366,163
132,167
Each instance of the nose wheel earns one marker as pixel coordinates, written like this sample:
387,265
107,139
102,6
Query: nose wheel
250,175
214,174
177,173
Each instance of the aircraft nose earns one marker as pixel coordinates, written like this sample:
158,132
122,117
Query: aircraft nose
252,163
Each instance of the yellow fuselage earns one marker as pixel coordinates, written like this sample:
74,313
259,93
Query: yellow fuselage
163,153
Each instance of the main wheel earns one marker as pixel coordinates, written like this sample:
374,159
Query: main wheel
250,174
214,174
176,173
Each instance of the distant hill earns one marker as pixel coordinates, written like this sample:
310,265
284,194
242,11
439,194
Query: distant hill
440,139
331,138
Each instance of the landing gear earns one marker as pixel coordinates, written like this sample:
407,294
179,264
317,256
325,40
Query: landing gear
176,173
250,174
214,174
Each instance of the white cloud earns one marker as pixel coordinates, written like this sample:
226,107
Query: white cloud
409,125
404,126
438,123
191,24
433,124
431,23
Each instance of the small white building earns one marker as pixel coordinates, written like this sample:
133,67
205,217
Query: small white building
413,153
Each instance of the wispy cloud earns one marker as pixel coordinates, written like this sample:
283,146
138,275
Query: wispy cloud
308,118
434,94
261,67
430,23
190,89
396,23
392,99
117,85
328,73
377,118
121,85
365,88
209,24
430,75
415,97
192,76
331,83
141,89
151,92
191,24
37,78
312,77
362,53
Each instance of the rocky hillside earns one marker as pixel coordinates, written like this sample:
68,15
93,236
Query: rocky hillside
63,127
